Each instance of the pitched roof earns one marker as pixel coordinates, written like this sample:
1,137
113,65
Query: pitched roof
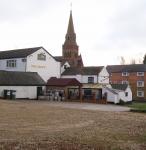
83,71
114,91
18,53
126,68
13,78
58,58
53,81
122,87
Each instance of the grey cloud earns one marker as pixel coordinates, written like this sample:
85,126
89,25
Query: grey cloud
127,26
20,9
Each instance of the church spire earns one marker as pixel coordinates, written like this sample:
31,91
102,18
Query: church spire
70,29
70,35
70,47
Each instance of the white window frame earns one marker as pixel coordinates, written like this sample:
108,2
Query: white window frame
140,83
140,95
125,82
11,63
125,74
140,73
92,79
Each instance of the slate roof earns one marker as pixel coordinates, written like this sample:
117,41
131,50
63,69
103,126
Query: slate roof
53,81
58,58
114,91
122,87
13,78
18,53
126,68
83,71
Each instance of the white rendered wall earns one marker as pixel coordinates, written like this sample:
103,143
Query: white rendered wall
20,66
111,97
103,76
21,91
46,69
126,98
81,78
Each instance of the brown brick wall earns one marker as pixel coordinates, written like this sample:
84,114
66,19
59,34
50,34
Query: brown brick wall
132,79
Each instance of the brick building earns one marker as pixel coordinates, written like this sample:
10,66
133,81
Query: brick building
134,75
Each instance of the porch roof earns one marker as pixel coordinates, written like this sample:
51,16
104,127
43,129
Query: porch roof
92,86
62,82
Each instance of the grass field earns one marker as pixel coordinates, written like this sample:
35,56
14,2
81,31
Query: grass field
138,106
36,125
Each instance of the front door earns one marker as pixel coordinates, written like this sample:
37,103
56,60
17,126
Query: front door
39,91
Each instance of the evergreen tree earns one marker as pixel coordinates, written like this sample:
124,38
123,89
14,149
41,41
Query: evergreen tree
144,59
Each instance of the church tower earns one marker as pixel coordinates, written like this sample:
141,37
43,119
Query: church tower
70,48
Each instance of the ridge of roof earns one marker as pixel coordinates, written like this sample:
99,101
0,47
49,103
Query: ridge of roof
89,70
126,68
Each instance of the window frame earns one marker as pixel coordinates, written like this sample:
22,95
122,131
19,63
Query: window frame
11,63
142,93
125,73
142,85
90,79
126,94
41,57
125,82
140,73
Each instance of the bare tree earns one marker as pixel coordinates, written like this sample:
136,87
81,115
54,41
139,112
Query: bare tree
133,61
122,60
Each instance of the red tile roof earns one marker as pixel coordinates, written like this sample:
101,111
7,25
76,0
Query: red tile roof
53,81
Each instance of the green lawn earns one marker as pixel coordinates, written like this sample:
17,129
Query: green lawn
138,106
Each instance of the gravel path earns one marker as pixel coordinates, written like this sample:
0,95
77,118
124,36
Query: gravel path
89,106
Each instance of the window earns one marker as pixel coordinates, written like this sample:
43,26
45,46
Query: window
23,60
140,73
126,94
140,83
41,56
140,93
90,79
11,63
125,82
125,74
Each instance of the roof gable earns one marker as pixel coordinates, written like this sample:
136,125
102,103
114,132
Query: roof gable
18,53
21,53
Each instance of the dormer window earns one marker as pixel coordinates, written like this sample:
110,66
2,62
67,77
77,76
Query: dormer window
125,74
41,56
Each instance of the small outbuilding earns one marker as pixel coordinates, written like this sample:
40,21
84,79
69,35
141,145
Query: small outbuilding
64,89
118,92
20,85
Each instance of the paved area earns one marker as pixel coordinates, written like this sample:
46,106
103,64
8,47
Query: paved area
89,106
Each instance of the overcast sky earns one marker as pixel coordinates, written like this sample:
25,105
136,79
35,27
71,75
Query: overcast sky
105,29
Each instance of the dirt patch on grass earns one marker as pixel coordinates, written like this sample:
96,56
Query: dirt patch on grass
36,125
